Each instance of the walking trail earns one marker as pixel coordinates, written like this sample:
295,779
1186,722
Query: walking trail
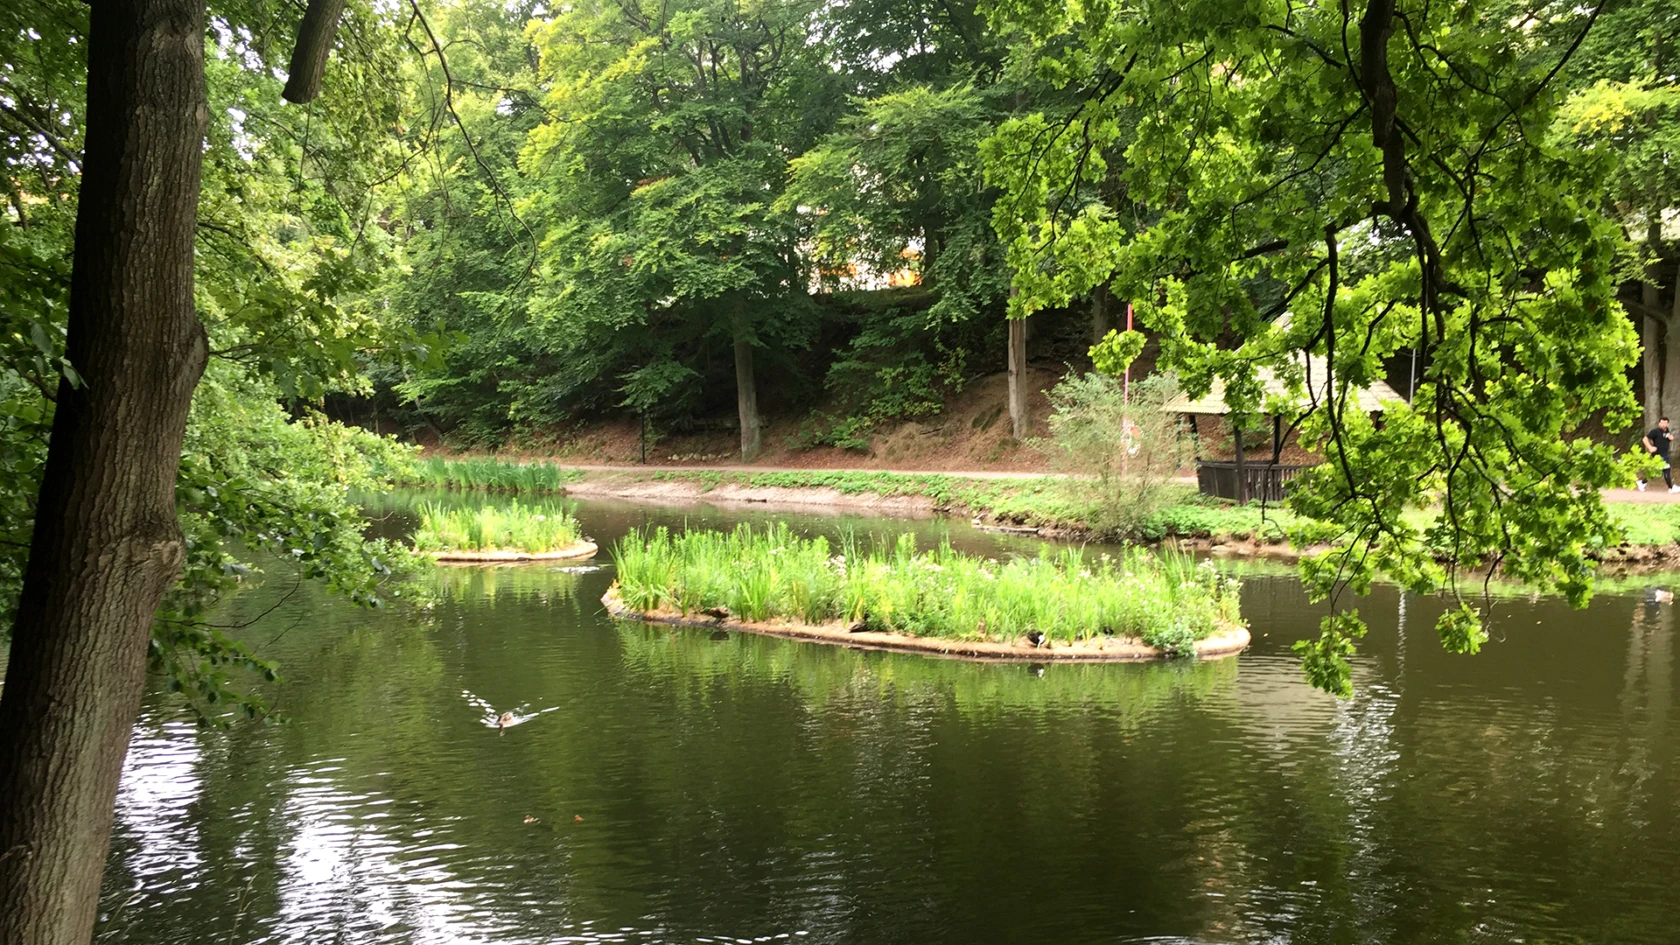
1656,494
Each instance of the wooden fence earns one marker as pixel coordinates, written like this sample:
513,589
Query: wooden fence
1264,482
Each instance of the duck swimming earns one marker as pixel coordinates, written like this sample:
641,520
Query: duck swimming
505,720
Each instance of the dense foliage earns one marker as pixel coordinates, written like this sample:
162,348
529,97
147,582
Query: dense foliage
288,252
645,196
487,473
1356,182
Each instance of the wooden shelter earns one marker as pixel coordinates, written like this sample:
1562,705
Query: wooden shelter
1241,479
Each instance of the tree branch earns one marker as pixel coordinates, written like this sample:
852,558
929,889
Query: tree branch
309,56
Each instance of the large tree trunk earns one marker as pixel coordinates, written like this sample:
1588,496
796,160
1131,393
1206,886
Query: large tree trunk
1671,354
746,400
106,543
309,57
1650,358
1019,420
1102,317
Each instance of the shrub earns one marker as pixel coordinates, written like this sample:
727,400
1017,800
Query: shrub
1123,452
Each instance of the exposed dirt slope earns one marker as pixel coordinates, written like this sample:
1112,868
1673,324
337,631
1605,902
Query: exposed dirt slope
972,433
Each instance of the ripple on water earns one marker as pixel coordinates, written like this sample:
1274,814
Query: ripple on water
664,787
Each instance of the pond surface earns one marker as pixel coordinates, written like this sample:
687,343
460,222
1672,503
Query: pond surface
665,786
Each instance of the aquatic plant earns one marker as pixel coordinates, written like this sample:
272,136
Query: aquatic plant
529,528
1163,599
489,473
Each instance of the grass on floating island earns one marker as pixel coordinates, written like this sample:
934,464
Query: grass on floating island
1165,600
479,472
531,529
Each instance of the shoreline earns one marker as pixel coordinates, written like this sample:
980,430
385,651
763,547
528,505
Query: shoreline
733,493
1022,504
1628,557
1228,642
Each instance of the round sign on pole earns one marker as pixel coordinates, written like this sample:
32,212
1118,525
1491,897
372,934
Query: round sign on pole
1131,438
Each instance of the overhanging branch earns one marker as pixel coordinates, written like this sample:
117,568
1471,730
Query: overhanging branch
309,56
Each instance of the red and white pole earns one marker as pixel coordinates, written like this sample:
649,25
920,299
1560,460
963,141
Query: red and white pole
1126,391
1126,435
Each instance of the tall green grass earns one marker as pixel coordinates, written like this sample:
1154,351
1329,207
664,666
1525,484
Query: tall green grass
479,472
1166,600
533,529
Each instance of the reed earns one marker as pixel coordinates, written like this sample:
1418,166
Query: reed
1163,599
487,473
533,529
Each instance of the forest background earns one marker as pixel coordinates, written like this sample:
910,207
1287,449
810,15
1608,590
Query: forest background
485,225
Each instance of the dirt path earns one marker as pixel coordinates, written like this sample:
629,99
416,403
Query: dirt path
1656,494
797,470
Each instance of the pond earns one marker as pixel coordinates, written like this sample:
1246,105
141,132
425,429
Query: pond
666,786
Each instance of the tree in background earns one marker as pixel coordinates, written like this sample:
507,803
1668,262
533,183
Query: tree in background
897,188
655,175
1625,105
1381,173
464,254
901,91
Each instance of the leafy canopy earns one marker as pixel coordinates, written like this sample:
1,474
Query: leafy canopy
288,251
1358,182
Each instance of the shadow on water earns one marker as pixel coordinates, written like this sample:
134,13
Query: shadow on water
665,786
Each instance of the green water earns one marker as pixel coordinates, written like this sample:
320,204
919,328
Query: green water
751,790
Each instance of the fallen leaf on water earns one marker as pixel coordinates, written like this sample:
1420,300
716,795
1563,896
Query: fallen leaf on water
577,818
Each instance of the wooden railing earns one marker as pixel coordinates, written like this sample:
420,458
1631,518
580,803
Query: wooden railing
1265,482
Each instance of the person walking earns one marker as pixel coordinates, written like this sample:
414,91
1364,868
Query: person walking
1657,442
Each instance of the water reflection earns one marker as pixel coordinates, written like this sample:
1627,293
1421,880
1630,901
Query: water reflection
665,786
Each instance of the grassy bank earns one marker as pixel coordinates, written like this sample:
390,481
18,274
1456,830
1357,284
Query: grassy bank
1059,503
532,529
1046,502
1166,601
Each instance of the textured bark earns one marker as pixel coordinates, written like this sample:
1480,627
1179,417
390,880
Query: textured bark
1102,317
1019,420
746,400
1651,353
106,544
1671,359
1650,357
309,56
